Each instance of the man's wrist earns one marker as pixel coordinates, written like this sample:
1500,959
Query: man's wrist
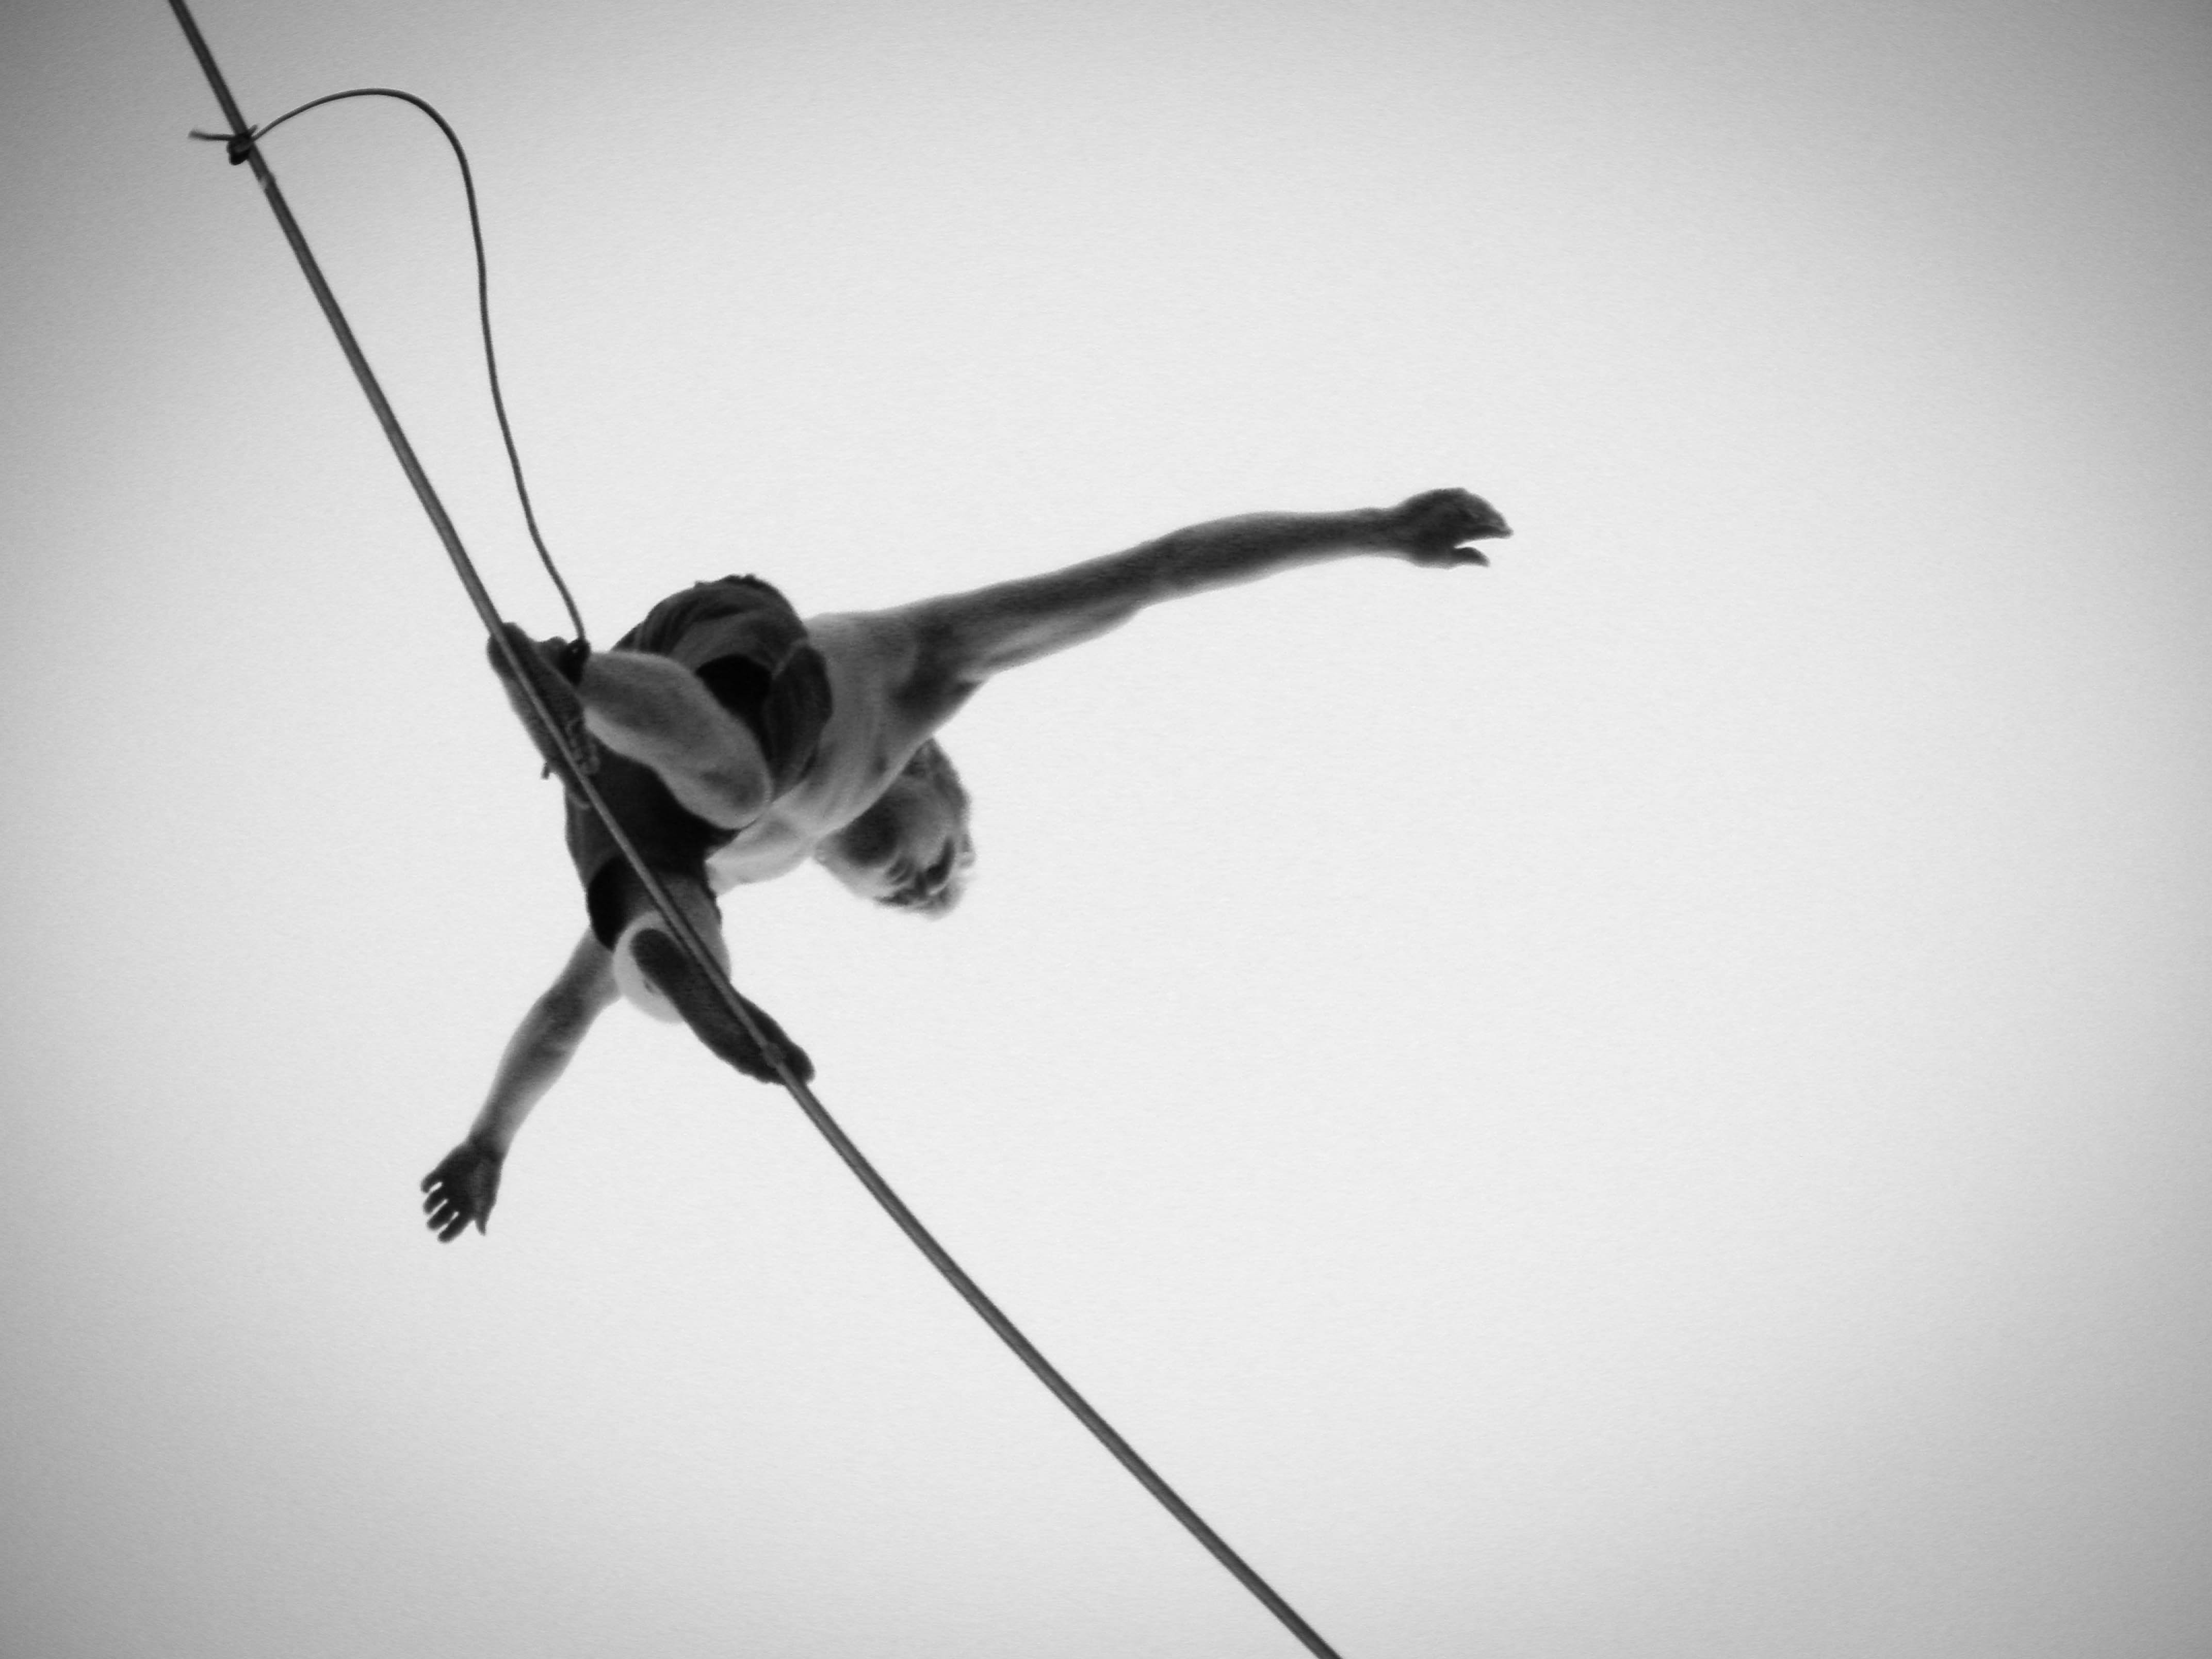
1370,528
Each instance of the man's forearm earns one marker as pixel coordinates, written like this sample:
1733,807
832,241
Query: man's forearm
1226,551
983,633
537,1054
1220,553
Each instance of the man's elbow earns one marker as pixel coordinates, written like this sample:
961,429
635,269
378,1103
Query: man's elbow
564,1014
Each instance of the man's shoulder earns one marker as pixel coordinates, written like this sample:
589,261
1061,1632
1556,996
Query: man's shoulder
878,654
888,692
902,655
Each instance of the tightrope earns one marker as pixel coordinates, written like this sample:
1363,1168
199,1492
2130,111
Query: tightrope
240,143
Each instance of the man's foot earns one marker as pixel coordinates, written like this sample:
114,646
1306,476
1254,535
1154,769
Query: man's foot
551,667
670,968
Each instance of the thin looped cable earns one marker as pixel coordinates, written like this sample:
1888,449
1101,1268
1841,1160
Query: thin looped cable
238,145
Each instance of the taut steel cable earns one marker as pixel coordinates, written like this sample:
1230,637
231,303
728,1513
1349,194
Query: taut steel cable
241,140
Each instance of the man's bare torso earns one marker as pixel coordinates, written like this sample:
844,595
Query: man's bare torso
880,713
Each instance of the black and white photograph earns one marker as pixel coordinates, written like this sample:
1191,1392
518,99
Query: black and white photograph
1192,829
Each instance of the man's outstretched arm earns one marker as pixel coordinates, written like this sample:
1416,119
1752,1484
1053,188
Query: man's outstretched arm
465,1184
963,639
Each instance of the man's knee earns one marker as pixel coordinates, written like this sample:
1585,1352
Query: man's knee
728,796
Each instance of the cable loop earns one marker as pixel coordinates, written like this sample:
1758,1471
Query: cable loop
239,145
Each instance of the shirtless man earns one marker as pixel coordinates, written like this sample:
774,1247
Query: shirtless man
736,744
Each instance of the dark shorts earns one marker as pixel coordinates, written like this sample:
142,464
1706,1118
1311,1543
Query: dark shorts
745,641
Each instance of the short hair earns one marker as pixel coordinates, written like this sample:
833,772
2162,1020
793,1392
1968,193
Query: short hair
934,891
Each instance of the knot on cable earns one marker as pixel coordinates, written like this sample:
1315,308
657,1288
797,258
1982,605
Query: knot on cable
236,145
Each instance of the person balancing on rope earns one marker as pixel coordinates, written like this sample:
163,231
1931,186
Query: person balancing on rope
735,743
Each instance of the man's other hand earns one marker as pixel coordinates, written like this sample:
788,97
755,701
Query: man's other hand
461,1189
1430,528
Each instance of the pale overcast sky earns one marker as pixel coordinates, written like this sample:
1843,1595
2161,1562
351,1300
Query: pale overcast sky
1650,1101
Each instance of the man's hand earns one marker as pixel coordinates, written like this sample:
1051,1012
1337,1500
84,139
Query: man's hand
1430,528
461,1189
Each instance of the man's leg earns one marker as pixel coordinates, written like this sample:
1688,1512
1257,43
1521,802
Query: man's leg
658,974
704,1010
658,713
652,710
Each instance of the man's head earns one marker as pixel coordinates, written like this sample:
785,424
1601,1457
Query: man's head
911,849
